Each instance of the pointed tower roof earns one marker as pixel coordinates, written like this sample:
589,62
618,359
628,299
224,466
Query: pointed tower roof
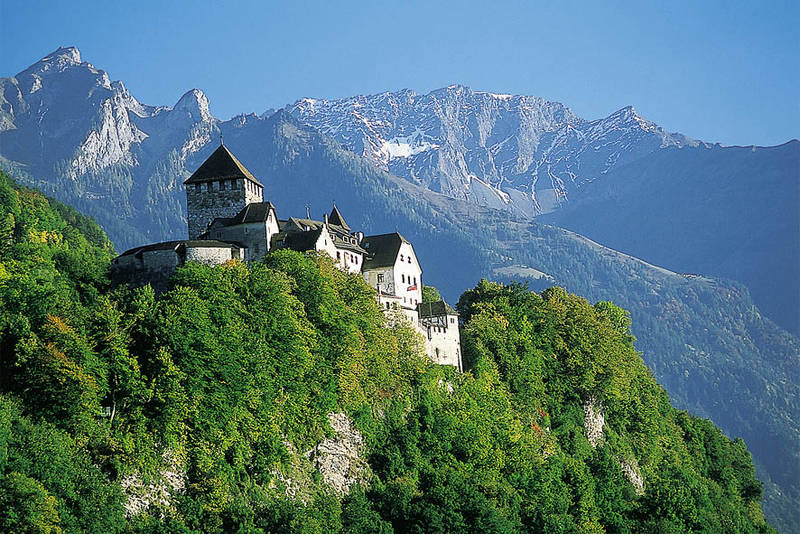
336,218
221,165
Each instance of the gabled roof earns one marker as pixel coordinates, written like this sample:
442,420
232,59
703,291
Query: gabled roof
346,242
293,224
434,309
336,218
382,250
221,165
299,241
252,213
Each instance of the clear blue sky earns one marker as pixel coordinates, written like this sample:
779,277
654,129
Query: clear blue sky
726,71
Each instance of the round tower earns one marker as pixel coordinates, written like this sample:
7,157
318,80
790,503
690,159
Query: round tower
220,187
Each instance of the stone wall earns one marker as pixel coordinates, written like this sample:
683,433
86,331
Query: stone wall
381,279
209,255
155,267
207,201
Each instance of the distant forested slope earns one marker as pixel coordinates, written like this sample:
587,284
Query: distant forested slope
729,212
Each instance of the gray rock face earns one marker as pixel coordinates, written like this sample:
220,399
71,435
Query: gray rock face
631,471
67,123
515,152
340,459
594,421
169,482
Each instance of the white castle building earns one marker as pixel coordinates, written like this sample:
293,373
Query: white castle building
229,219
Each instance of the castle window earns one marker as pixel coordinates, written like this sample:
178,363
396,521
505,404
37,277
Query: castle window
452,320
403,278
380,278
409,259
401,257
338,255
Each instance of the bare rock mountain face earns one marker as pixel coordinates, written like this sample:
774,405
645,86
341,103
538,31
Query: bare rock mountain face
67,129
521,153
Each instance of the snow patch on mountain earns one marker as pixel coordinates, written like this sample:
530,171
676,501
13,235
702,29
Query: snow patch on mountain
516,152
406,146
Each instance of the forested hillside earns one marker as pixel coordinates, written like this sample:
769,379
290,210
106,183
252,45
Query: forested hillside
728,212
705,340
231,402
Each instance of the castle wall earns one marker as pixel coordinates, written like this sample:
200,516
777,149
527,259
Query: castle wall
325,243
408,273
156,266
443,340
220,198
255,236
209,255
381,279
349,261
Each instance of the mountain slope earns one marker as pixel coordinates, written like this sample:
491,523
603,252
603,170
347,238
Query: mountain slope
68,130
729,212
515,152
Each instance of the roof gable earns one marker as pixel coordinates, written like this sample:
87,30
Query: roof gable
222,164
253,213
299,241
337,219
382,250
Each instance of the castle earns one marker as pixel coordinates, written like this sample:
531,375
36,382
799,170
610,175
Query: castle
229,219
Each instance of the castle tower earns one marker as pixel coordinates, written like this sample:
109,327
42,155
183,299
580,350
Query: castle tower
221,187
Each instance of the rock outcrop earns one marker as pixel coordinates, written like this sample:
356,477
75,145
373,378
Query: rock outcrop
595,419
159,491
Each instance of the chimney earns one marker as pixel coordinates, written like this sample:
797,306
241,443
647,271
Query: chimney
360,237
325,218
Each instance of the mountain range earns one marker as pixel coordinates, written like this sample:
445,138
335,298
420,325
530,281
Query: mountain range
466,175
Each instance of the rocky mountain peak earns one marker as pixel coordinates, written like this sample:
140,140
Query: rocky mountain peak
65,53
195,104
55,62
